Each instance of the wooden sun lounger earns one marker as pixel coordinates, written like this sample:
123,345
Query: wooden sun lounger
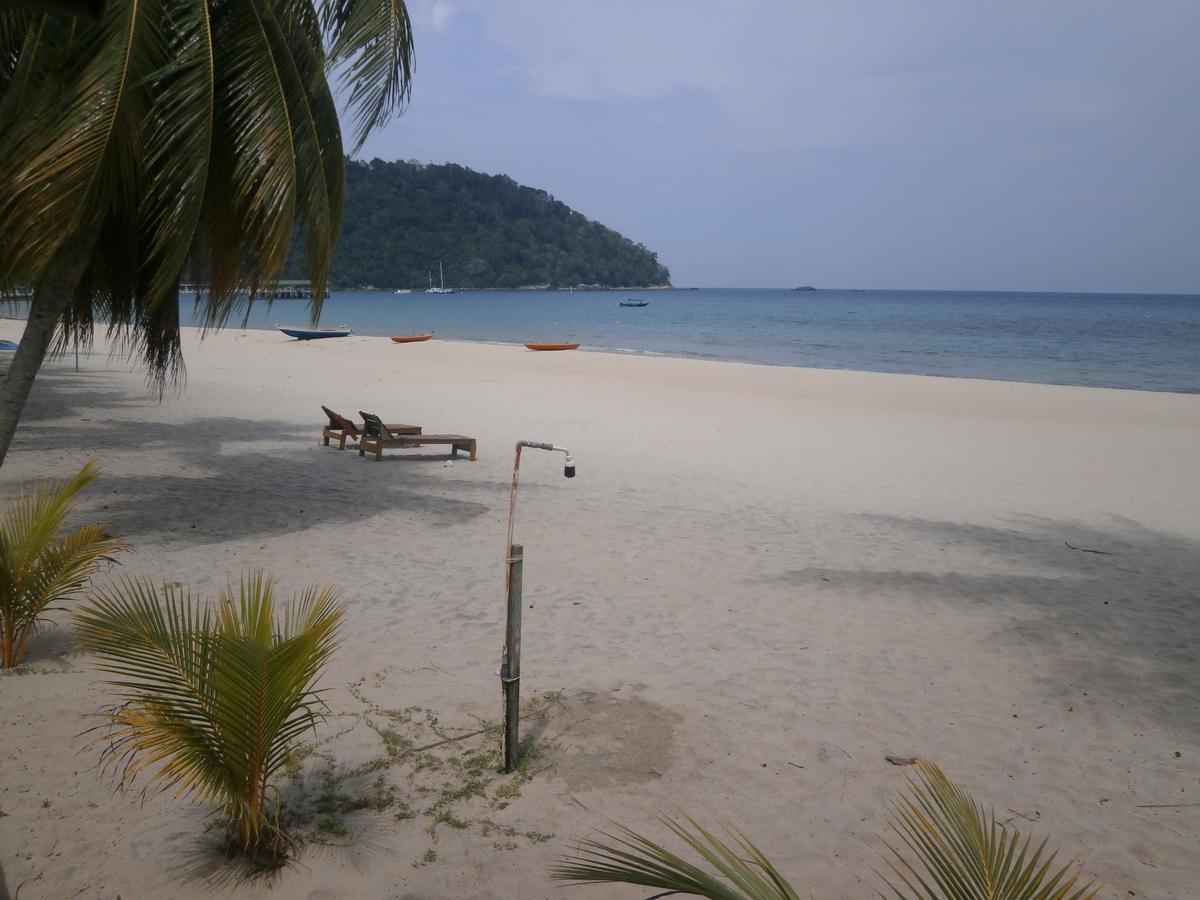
379,435
341,428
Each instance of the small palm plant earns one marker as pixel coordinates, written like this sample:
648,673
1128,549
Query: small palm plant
40,567
959,851
213,700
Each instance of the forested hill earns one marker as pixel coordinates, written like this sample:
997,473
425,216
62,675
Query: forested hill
401,218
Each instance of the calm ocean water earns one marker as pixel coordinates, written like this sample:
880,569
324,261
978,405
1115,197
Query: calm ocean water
1145,342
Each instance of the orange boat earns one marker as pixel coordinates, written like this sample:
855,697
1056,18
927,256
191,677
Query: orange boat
411,338
552,346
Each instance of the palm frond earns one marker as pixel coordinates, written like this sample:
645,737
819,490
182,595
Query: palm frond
250,205
182,136
742,871
959,850
14,29
38,565
211,701
371,41
316,140
66,147
177,147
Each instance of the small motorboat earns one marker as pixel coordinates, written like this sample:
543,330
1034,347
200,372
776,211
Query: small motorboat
553,346
310,334
9,346
630,301
411,338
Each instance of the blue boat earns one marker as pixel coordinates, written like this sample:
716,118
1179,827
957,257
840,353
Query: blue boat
629,301
311,334
8,345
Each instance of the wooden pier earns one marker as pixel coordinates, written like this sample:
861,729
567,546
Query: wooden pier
291,289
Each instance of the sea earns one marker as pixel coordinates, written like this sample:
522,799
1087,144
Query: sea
1137,341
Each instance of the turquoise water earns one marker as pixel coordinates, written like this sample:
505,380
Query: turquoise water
1145,342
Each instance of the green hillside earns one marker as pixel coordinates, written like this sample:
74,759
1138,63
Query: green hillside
488,231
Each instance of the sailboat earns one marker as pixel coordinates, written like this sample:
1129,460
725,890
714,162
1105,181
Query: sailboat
442,280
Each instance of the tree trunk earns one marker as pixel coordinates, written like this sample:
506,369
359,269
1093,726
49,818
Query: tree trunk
51,297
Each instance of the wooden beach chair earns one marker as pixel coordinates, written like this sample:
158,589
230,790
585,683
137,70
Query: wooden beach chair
376,436
340,428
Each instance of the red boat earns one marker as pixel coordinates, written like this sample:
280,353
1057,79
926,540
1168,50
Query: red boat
411,338
552,346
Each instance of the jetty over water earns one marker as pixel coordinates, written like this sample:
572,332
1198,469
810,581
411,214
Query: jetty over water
286,289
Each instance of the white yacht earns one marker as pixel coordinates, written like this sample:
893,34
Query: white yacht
442,289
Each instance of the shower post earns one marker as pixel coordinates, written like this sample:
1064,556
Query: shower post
510,666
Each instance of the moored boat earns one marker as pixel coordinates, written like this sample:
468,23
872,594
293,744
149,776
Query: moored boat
411,338
631,301
309,334
442,289
552,345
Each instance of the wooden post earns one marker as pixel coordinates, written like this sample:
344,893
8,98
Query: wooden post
510,665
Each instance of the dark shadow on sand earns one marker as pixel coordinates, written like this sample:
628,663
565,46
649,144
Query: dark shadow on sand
1124,623
236,478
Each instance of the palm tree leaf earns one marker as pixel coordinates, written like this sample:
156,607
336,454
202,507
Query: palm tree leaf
371,41
958,852
211,700
632,858
960,847
177,147
38,567
64,148
15,28
320,163
249,213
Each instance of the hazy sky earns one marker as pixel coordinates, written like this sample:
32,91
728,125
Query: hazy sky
899,143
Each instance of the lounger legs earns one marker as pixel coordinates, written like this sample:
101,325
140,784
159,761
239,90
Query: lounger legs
341,436
366,445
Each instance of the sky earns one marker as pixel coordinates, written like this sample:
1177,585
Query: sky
917,144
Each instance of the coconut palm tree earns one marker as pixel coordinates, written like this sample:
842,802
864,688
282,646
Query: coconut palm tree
38,565
173,137
212,701
951,848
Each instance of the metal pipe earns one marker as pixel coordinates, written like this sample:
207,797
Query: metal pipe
568,472
510,652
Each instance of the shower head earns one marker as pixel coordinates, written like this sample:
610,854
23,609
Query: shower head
568,468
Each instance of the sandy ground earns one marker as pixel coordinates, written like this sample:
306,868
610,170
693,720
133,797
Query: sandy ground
761,583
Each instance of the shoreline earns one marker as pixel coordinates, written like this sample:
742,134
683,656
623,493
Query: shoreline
657,354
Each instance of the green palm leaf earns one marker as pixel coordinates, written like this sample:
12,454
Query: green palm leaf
212,701
958,852
742,871
38,565
372,41
177,140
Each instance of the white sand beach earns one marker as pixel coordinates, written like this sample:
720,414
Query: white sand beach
762,582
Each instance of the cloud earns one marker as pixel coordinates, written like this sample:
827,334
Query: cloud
794,75
912,143
441,13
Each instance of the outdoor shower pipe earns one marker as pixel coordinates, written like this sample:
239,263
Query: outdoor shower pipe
568,471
